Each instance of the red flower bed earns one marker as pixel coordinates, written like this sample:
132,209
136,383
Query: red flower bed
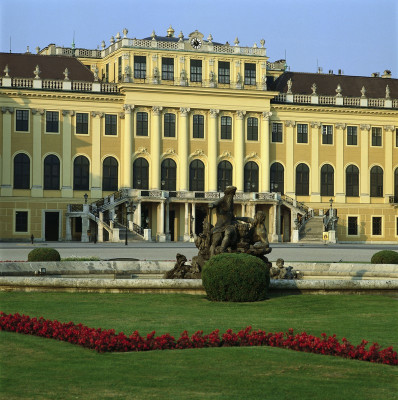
107,340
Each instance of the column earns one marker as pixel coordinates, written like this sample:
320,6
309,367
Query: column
156,135
127,147
314,168
389,175
364,171
186,223
85,225
6,185
274,236
193,214
212,150
68,228
67,170
96,191
183,140
37,169
160,223
264,143
339,179
137,214
100,228
239,149
242,212
168,236
289,173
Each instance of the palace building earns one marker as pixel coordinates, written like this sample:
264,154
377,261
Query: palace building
145,133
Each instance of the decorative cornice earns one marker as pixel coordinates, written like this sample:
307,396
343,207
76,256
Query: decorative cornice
340,126
315,124
157,110
214,113
240,114
364,127
266,115
184,111
291,124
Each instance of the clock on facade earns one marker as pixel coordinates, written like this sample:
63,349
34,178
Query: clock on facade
196,43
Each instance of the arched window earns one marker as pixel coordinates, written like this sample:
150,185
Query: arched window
51,172
376,182
224,175
396,185
277,178
352,181
302,180
197,176
327,180
110,174
251,177
141,174
169,173
21,171
81,173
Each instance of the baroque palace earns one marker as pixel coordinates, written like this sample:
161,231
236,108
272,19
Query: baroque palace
144,133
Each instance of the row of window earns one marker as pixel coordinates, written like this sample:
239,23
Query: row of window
81,175
196,70
327,134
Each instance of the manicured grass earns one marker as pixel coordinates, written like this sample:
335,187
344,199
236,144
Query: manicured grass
34,367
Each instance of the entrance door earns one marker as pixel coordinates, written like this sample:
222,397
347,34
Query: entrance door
201,215
172,217
51,226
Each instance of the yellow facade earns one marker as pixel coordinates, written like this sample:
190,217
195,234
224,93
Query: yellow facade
124,91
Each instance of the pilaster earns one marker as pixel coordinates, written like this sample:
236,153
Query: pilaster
212,150
6,182
37,169
364,172
186,222
155,147
289,173
264,144
183,140
339,177
96,190
239,149
66,190
314,169
127,146
389,175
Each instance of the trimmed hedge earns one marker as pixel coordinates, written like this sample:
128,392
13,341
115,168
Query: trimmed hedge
44,254
235,277
385,257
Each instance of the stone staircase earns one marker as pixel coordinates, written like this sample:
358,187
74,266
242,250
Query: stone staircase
132,235
312,231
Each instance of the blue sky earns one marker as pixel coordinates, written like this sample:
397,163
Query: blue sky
357,36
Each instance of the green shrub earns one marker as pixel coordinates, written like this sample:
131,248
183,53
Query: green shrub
385,257
44,254
235,277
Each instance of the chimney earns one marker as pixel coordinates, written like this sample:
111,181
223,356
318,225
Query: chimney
330,72
375,74
386,74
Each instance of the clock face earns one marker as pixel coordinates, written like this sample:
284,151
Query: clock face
196,43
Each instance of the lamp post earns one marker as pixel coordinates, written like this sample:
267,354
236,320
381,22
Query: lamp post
85,198
130,209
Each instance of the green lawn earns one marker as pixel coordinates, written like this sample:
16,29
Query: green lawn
32,367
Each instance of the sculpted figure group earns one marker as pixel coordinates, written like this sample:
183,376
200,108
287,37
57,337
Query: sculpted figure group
230,234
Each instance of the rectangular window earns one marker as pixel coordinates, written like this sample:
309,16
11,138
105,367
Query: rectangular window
22,121
223,72
119,69
142,124
277,132
352,226
21,221
302,133
52,120
376,226
198,127
110,124
169,125
226,128
327,134
82,123
352,136
252,128
250,74
396,137
196,71
167,69
139,67
376,136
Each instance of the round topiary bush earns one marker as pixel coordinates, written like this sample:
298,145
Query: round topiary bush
235,277
385,257
44,254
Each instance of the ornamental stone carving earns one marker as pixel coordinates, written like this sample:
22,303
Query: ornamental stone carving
364,127
128,108
313,88
214,113
266,115
340,126
338,91
226,154
37,111
9,109
363,92
388,92
198,153
289,86
290,124
252,155
184,111
6,71
37,72
389,128
157,110
170,151
240,114
66,74
315,124
96,78
97,114
125,56
142,150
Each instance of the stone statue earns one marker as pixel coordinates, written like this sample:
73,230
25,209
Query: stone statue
289,86
182,271
282,272
212,77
